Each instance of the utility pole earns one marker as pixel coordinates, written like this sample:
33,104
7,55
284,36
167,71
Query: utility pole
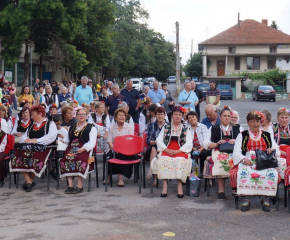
191,48
177,60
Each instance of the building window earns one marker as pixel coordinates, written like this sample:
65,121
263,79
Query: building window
232,49
273,49
237,63
253,63
271,63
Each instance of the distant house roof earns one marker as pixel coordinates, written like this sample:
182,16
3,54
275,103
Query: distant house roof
249,32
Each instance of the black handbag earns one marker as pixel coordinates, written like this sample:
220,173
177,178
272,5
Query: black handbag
226,147
265,160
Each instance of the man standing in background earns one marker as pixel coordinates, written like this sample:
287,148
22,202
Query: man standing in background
157,95
188,98
199,96
213,96
83,93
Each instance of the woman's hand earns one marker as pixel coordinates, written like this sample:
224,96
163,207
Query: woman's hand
247,162
232,141
221,142
270,150
169,151
81,150
174,152
60,135
18,134
105,135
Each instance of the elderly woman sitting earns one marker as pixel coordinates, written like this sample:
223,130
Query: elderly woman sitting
198,132
120,128
76,161
174,143
64,95
129,119
266,124
235,118
244,176
31,161
68,119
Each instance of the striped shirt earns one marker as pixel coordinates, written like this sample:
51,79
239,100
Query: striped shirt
212,95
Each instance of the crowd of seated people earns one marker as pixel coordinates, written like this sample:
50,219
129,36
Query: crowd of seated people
225,149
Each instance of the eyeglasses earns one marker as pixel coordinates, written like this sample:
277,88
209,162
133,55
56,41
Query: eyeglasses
81,114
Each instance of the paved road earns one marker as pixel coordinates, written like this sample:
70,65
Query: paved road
123,213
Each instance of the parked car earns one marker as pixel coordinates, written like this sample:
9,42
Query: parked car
171,79
151,79
226,91
264,92
137,83
203,87
195,79
145,81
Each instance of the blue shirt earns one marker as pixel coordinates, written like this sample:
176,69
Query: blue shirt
131,96
62,98
208,123
188,97
83,95
156,97
112,102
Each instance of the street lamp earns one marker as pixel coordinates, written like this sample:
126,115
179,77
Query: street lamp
30,44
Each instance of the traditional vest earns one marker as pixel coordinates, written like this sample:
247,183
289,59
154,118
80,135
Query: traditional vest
84,135
104,117
50,100
39,132
167,134
22,129
281,139
245,134
216,133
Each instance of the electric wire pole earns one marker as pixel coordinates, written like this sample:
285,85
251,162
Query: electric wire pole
177,60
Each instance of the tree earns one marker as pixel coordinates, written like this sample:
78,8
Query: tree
193,67
274,25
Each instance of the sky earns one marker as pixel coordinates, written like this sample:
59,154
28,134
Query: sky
195,16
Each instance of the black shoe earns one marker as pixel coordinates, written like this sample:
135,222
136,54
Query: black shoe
24,185
163,195
28,187
265,206
180,195
53,173
78,190
245,206
69,190
2,182
222,196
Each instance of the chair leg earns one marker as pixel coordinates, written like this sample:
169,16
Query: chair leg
111,175
277,199
17,180
237,202
57,172
285,196
97,173
208,188
187,186
104,170
48,173
288,193
89,184
9,180
140,178
157,183
106,177
144,180
15,177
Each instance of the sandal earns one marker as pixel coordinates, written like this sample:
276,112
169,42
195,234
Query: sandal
265,206
245,206
121,183
104,182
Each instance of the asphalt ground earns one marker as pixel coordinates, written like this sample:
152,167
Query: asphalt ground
123,213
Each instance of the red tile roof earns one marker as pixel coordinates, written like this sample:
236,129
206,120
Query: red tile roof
250,32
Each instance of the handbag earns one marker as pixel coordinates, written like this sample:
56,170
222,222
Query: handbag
226,147
265,160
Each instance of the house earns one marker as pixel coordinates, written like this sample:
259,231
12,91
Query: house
247,46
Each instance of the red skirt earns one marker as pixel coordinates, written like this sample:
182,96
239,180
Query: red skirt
173,145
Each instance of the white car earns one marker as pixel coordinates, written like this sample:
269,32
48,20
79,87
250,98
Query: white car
137,83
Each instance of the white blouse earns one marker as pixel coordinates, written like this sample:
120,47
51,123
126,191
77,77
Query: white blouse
47,139
142,123
4,126
237,154
14,130
201,131
90,144
3,144
187,147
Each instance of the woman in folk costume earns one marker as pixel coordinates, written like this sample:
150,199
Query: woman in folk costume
81,140
31,159
244,177
220,162
174,144
50,97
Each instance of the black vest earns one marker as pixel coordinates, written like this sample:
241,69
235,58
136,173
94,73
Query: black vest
104,116
265,135
50,100
40,132
216,133
22,129
282,140
84,135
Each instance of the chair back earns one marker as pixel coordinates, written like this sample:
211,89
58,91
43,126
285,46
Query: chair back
288,157
136,128
13,120
10,143
128,145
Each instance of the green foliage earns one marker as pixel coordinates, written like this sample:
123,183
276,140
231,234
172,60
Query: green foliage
193,66
274,25
269,77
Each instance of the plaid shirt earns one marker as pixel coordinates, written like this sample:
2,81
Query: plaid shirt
153,132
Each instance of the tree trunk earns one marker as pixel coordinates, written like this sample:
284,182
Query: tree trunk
40,68
26,66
